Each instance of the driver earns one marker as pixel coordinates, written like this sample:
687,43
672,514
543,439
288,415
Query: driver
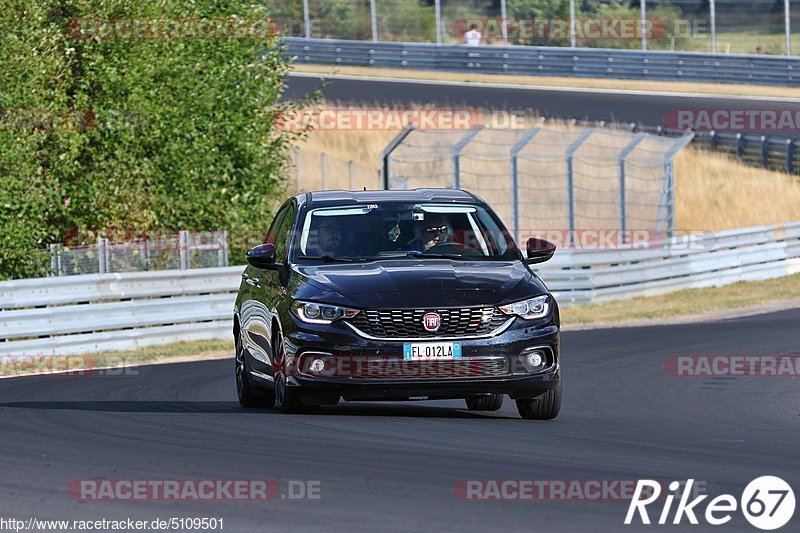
432,231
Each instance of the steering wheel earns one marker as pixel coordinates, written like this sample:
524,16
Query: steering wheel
453,248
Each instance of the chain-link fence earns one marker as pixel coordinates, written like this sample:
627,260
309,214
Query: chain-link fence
542,179
183,250
315,171
716,26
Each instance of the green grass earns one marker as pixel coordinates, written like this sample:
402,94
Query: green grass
685,303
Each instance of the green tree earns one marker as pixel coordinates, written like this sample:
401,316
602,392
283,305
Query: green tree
104,133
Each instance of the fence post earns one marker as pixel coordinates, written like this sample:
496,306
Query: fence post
54,267
790,156
297,181
623,208
352,174
387,152
457,148
764,151
713,139
570,155
524,140
323,161
102,255
183,249
147,253
739,145
668,192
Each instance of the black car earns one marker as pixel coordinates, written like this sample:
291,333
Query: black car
395,295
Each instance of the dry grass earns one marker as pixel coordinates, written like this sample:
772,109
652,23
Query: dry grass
552,81
178,352
716,192
713,190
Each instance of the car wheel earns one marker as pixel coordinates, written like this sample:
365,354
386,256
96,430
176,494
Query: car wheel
286,399
544,407
492,402
249,395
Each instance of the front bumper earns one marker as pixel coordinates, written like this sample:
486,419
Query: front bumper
359,368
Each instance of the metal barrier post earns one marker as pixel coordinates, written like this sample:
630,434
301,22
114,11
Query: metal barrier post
622,159
459,146
307,19
570,155
514,154
765,151
790,156
387,152
373,15
438,16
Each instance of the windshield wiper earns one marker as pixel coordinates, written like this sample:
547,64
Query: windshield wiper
331,259
441,256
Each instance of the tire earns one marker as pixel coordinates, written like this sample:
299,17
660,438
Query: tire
492,402
249,395
286,399
545,407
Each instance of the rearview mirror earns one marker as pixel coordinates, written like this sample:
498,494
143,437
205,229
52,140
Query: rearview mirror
262,256
539,251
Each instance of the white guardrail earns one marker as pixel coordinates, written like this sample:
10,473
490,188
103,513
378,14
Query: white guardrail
98,312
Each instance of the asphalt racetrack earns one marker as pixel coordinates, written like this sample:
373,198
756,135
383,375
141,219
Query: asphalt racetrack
646,109
386,466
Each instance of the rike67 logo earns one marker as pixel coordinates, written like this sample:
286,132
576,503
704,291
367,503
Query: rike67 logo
767,503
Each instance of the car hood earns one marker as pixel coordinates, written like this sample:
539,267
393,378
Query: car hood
416,283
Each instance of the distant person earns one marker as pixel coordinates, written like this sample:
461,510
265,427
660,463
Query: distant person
473,36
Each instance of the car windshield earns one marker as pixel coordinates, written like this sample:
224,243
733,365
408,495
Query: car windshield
392,230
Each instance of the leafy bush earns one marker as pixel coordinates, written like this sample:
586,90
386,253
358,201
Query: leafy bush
133,135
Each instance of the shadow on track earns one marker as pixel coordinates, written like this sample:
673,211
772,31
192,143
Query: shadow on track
219,407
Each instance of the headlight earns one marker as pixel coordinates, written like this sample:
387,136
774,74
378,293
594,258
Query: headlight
529,309
314,313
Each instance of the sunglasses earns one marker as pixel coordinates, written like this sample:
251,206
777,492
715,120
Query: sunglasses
441,230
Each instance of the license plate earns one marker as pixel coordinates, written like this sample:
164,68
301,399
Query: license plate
431,350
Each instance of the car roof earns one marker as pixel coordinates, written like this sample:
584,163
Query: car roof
331,198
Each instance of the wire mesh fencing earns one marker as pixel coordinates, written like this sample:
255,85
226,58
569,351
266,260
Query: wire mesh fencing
315,171
547,179
183,251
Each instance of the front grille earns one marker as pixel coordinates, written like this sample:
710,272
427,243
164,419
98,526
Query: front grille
433,369
407,323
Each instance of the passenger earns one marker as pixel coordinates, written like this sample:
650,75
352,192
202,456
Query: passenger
329,237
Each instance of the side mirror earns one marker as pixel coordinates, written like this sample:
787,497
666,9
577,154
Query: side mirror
262,256
539,251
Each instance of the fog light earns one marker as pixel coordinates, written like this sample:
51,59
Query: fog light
535,359
531,360
317,365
